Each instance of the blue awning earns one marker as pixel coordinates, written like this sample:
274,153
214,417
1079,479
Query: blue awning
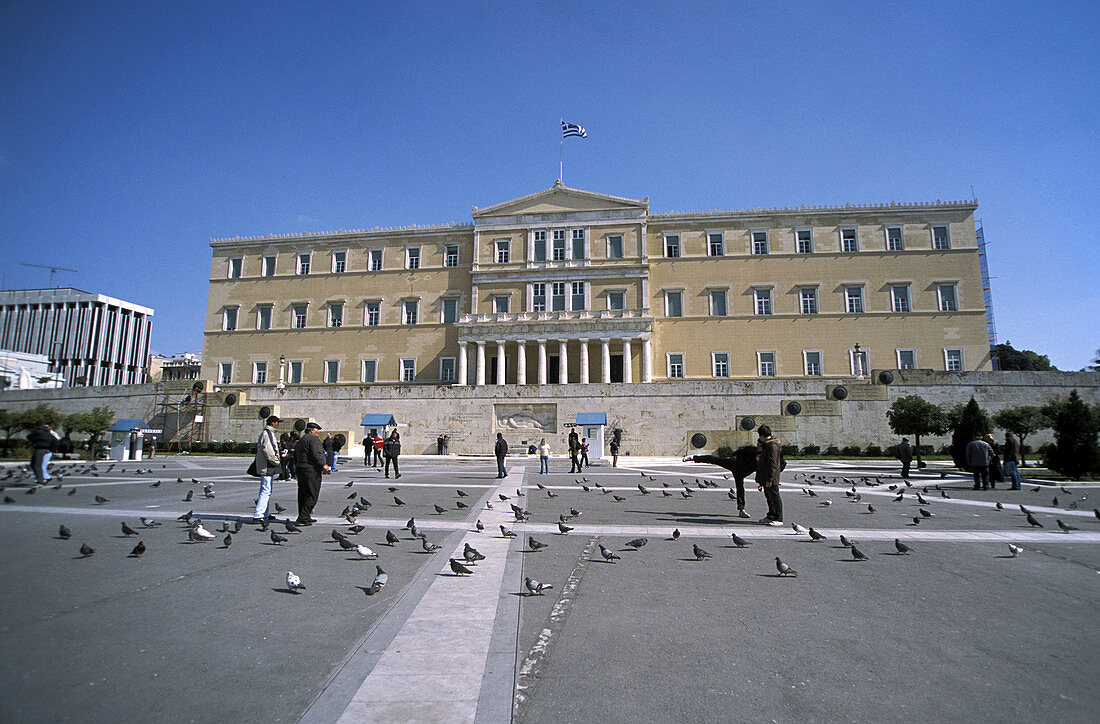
591,418
378,420
126,425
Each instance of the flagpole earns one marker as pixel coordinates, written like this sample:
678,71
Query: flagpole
561,145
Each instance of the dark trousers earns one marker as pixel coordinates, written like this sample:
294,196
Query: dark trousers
905,468
501,472
309,488
575,464
981,476
377,459
396,470
584,460
775,504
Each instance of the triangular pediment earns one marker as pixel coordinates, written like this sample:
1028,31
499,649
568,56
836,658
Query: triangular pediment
560,199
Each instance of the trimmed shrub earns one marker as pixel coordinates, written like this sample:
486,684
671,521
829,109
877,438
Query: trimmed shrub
789,450
832,450
811,450
850,451
874,451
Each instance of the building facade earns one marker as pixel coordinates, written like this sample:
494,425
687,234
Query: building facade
565,287
90,339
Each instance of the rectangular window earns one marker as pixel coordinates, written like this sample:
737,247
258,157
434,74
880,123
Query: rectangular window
370,370
940,240
947,298
408,370
412,310
303,263
332,371
578,243
230,319
853,300
374,314
721,365
225,373
807,300
503,249
848,240
716,246
335,314
339,262
805,241
559,244
446,369
539,252
578,296
412,257
893,239
557,296
763,299
718,307
450,311
538,297
376,260
267,269
300,316
259,373
501,304
295,373
672,245
616,300
615,247
899,298
907,359
813,363
675,366
766,363
235,265
450,255
263,318
759,242
674,304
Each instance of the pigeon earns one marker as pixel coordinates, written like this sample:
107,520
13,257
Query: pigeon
1036,489
293,582
72,491
9,499
101,500
471,554
637,543
86,550
815,536
858,554
502,496
675,534
353,496
203,533
461,493
926,513
845,542
1065,527
739,541
127,530
902,548
380,581
479,526
799,529
346,544
186,517
608,555
1032,522
562,528
1054,503
643,490
356,529
390,538
999,506
415,532
440,509
1014,550
916,520
410,524
290,527
227,540
190,494
277,539
279,508
460,505
784,569
392,489
398,501
618,498
428,547
899,498
138,550
700,554
365,553
535,587
337,535
825,503
1024,510
349,484
551,494
534,544
155,485
505,533
870,508
208,491
64,533
458,569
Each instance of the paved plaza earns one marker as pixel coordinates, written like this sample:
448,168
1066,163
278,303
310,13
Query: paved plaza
960,627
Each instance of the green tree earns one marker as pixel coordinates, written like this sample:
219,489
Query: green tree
9,423
1012,359
916,416
1021,421
967,421
39,414
1076,430
94,423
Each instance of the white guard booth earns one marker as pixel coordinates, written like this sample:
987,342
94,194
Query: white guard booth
126,439
592,425
381,423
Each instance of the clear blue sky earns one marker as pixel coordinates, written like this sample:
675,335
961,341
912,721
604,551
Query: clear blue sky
133,132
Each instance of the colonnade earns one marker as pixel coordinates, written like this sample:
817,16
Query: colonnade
625,344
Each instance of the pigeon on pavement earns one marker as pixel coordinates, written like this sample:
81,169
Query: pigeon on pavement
535,587
365,553
293,582
784,569
101,500
138,550
507,533
1032,522
1065,527
534,544
902,548
608,555
391,539
64,533
458,569
858,554
739,541
1014,550
637,543
381,578
815,536
562,528
845,542
277,539
700,554
86,550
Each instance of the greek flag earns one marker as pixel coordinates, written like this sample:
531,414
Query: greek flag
572,129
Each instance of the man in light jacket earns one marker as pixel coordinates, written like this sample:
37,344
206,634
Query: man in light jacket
268,464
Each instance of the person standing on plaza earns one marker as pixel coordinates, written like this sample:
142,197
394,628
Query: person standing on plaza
996,474
368,449
391,449
43,445
614,447
337,443
500,449
1011,455
268,462
309,461
326,447
584,452
574,452
978,456
291,465
544,456
905,455
379,443
768,468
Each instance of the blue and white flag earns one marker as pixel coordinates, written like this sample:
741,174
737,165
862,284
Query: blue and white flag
572,129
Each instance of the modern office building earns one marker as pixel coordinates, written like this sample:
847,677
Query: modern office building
566,287
90,339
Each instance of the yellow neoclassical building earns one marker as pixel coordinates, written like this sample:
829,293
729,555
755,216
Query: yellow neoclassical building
566,286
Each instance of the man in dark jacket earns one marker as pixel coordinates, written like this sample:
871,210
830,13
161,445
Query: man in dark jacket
391,449
574,452
326,448
1011,456
905,455
309,460
43,445
768,468
500,449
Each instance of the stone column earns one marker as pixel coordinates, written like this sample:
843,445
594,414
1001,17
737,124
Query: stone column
480,369
521,362
500,362
563,363
584,361
463,372
628,369
542,361
647,360
605,360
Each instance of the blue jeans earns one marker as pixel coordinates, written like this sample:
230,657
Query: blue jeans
544,464
1012,474
500,467
265,496
331,460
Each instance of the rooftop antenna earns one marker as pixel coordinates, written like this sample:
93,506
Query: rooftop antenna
53,270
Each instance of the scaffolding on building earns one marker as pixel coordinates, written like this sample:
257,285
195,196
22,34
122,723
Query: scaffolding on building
987,292
179,411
